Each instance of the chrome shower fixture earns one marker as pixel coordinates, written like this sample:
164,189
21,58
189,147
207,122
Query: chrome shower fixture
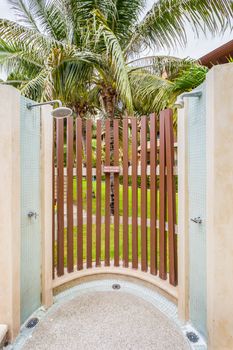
180,99
59,112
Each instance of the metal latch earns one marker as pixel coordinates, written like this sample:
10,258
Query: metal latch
197,220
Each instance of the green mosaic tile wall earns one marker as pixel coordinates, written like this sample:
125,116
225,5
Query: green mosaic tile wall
197,207
30,201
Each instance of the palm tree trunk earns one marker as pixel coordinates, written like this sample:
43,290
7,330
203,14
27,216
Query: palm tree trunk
84,140
80,112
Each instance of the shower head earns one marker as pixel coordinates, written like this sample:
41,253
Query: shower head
61,112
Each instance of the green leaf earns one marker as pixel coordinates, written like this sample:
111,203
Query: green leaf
165,24
117,61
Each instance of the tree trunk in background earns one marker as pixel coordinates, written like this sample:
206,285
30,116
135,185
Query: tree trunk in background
80,111
109,100
84,140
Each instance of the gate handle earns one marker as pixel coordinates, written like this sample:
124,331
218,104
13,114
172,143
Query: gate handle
197,220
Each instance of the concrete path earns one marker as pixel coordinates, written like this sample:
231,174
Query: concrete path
104,321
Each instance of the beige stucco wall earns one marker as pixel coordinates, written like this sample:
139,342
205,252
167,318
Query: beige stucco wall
10,208
219,220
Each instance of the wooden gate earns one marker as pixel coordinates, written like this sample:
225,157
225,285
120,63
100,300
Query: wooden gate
115,195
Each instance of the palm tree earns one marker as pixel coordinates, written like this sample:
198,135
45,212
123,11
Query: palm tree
59,48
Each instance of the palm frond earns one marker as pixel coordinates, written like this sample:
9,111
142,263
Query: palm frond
154,93
17,79
50,17
166,66
41,87
151,92
24,13
84,8
76,50
16,52
189,79
45,16
165,24
116,61
122,21
15,33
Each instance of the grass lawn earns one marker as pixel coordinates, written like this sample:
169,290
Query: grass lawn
111,243
84,187
84,191
111,226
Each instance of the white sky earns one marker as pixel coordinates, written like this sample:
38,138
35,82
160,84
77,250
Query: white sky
196,47
5,11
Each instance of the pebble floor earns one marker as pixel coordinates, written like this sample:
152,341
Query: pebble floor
106,320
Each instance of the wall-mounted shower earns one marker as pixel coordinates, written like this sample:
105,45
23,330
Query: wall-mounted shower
59,112
180,99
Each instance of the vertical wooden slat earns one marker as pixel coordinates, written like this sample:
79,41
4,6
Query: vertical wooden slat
116,193
134,194
107,194
172,240
54,200
125,195
60,197
162,201
70,141
98,193
89,191
79,193
144,263
153,195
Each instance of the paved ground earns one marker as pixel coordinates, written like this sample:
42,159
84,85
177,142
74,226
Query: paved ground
105,321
